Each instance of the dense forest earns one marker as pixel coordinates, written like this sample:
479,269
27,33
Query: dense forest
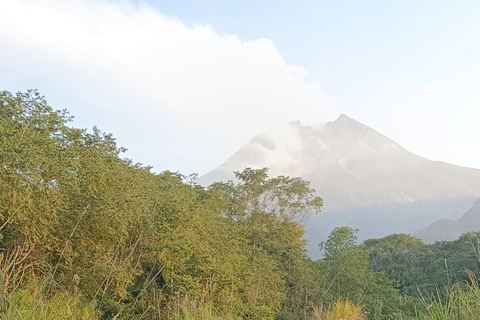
88,234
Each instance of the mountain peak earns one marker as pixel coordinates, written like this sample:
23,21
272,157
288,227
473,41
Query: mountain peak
352,132
344,117
296,124
345,120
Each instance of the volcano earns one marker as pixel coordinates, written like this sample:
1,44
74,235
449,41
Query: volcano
367,180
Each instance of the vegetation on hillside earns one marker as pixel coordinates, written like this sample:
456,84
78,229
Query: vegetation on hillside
87,234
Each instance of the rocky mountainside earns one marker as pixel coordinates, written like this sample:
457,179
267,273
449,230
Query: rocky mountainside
367,181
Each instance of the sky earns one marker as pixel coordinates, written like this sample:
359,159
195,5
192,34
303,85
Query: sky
185,84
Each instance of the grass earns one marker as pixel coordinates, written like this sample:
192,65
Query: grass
26,294
340,310
462,301
203,313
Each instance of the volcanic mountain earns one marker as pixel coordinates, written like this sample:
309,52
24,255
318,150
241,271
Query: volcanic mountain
367,181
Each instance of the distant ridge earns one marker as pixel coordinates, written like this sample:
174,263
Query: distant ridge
447,230
367,180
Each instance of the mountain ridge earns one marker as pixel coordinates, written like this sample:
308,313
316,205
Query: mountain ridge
448,230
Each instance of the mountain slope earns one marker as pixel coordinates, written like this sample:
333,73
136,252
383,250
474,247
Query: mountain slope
367,180
447,230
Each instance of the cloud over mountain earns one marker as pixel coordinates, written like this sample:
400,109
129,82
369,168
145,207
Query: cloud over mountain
153,75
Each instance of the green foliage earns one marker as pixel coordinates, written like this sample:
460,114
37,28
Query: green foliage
421,269
143,244
286,197
86,234
461,301
340,238
348,275
24,304
398,255
272,209
25,296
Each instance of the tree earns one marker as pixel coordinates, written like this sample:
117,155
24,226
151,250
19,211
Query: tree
347,274
399,256
272,210
340,238
286,197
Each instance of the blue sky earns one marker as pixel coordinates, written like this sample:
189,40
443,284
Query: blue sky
409,69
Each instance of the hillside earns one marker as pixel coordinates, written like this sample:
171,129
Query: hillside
448,230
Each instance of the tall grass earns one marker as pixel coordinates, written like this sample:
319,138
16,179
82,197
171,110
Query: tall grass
340,310
203,313
461,301
26,295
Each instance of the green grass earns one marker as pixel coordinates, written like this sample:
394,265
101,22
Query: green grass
462,301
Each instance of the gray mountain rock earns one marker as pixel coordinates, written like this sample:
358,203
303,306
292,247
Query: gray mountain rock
367,181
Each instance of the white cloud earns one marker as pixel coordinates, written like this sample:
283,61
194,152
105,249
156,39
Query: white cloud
179,97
